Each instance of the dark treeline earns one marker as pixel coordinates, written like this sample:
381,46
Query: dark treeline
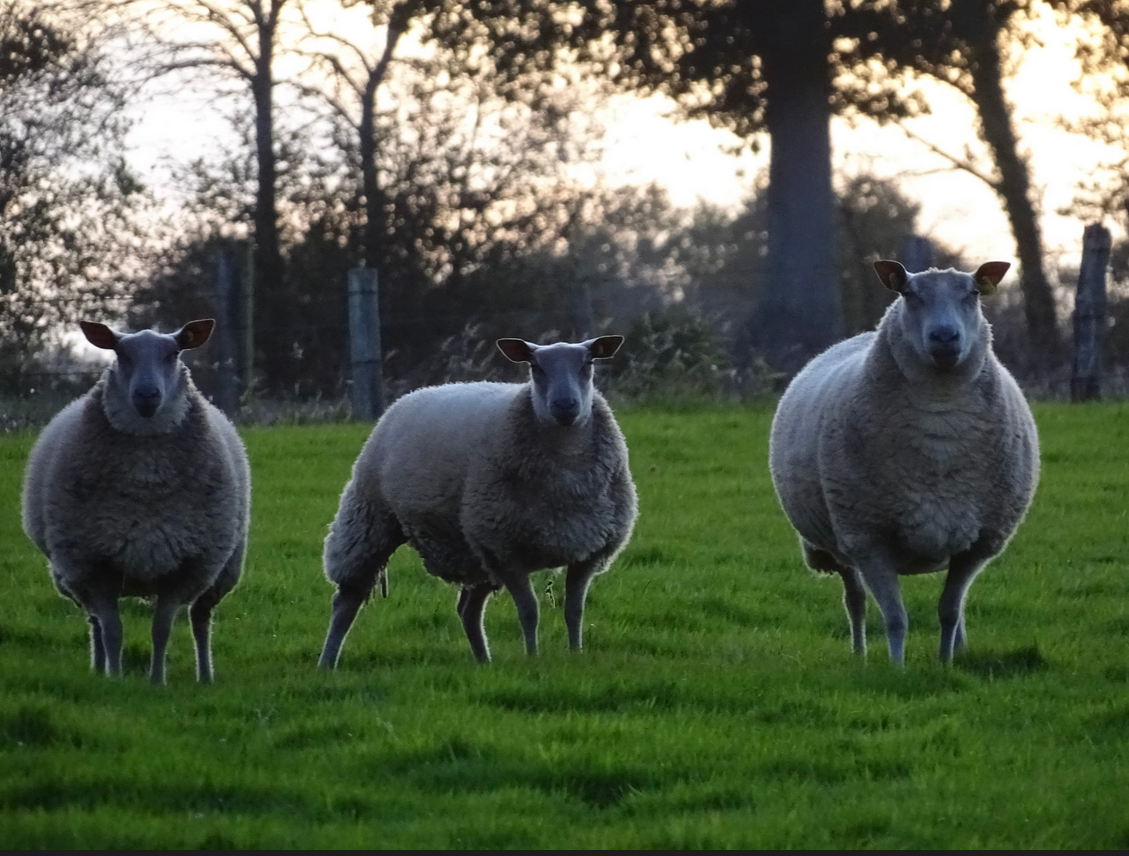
452,147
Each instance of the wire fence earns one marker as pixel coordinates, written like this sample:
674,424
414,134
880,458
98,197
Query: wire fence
684,337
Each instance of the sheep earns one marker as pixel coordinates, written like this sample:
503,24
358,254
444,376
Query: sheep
489,482
141,488
907,450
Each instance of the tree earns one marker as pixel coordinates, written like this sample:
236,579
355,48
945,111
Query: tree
1104,55
771,66
722,254
66,194
356,81
962,43
236,40
472,185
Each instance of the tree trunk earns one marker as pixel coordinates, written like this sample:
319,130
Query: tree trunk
800,310
369,184
1014,189
268,256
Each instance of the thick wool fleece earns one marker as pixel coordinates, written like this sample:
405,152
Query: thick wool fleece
872,451
473,481
158,508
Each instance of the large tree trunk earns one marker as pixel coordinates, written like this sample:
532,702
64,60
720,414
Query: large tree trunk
800,309
1014,187
269,297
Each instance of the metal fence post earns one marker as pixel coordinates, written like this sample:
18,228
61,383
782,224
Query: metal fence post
364,343
1089,315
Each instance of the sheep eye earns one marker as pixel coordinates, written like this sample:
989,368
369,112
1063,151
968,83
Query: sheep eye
171,358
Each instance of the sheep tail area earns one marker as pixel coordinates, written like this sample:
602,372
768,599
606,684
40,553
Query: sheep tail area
361,539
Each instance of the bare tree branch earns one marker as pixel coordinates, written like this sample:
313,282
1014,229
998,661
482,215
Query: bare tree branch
959,163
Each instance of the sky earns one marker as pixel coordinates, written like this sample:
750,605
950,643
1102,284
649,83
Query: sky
643,144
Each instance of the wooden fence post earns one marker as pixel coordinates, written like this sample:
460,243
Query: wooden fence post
364,344
226,286
1089,314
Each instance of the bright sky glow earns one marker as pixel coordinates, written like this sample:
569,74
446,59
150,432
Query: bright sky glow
642,146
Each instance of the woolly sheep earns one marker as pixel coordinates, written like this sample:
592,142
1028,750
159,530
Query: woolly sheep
141,488
489,482
908,450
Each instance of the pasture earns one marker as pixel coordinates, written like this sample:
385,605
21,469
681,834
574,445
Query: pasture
716,704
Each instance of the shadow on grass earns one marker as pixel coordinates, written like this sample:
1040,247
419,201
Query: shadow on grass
457,764
37,727
1002,664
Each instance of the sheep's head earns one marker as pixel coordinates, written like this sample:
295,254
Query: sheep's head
941,315
148,368
561,375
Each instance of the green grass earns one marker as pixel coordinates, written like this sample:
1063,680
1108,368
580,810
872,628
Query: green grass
716,704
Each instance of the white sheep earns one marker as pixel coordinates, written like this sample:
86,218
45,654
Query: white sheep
141,488
908,450
489,482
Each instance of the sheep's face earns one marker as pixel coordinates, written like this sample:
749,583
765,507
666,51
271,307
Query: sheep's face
148,370
561,376
941,315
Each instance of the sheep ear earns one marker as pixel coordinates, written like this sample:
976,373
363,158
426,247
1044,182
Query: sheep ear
604,347
988,276
99,335
892,274
517,350
194,333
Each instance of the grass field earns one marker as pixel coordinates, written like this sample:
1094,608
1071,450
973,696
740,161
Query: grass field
716,704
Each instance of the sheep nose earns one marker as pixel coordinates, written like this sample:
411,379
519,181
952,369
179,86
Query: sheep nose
146,400
944,335
565,410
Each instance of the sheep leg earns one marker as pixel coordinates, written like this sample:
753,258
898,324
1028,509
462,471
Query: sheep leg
167,605
97,649
577,579
854,593
522,593
963,569
97,590
200,614
346,604
471,605
361,540
104,610
882,580
854,599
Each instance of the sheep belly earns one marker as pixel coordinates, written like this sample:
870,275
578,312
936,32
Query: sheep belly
932,529
444,551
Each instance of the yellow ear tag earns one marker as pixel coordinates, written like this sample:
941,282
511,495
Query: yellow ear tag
987,287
